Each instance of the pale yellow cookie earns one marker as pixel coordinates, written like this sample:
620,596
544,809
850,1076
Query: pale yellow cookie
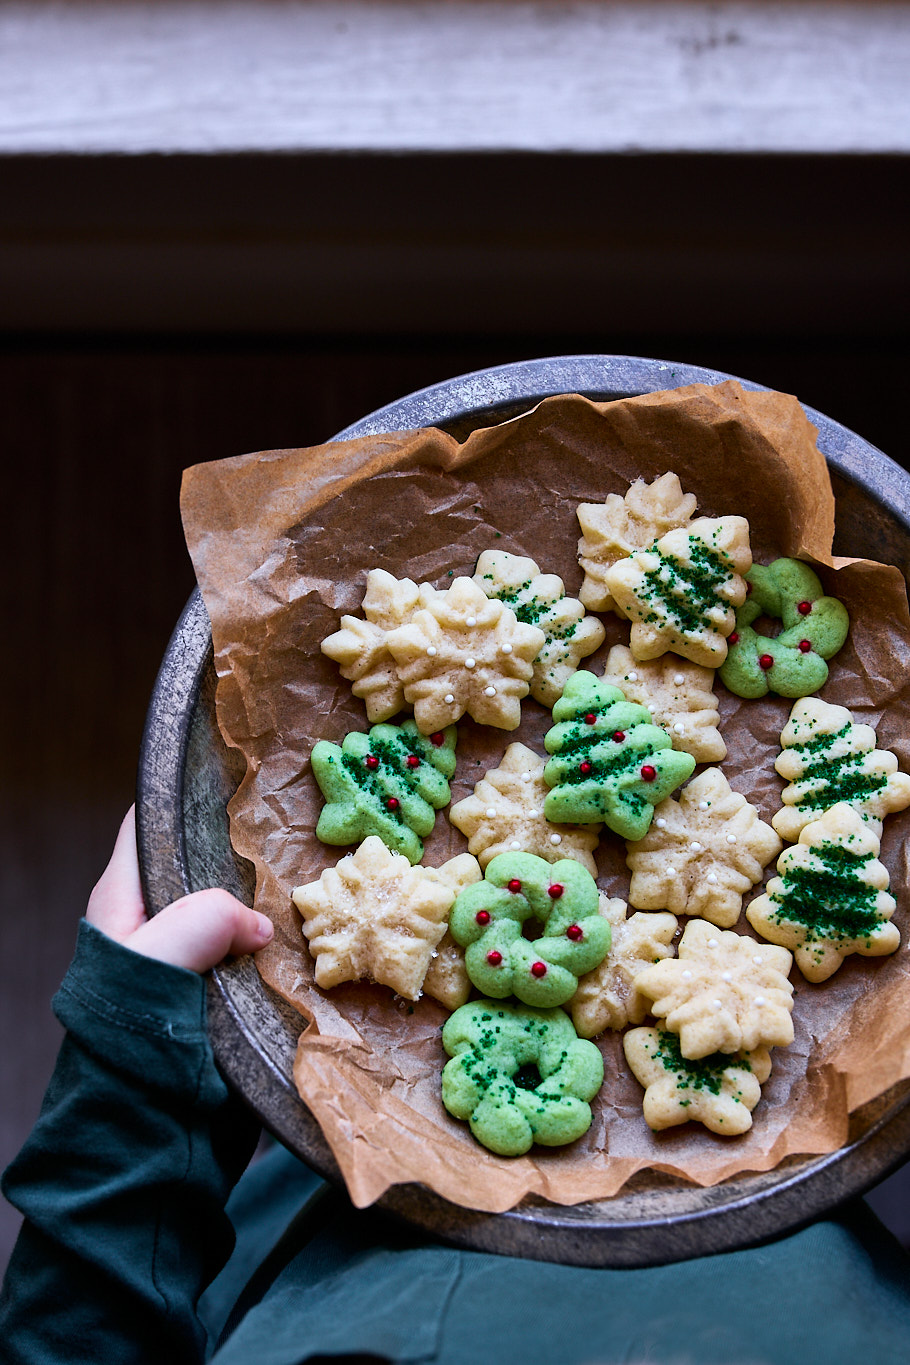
505,815
702,853
681,592
826,758
360,645
374,917
613,529
723,993
607,997
539,599
447,979
831,898
465,652
718,1091
679,696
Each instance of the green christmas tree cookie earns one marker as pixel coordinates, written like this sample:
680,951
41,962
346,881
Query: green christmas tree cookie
610,762
390,782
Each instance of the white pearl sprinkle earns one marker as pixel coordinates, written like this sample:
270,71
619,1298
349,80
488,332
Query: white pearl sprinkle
448,699
687,976
632,677
431,650
526,777
507,648
703,805
760,1000
470,621
712,942
726,976
491,812
489,691
515,845
660,822
712,878
555,839
679,728
536,814
695,846
651,707
731,838
718,1004
679,679
757,959
671,871
470,663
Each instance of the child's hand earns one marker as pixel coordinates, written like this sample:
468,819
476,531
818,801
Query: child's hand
195,932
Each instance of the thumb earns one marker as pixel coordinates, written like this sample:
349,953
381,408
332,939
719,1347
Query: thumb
199,930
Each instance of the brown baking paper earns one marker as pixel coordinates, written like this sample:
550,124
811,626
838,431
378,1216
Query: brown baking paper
282,542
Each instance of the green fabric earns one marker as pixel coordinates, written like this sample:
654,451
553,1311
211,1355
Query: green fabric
124,1181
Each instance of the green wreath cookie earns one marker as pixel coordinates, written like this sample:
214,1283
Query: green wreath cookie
487,921
519,1076
792,664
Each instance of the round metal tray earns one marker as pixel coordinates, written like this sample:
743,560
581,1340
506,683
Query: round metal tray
187,775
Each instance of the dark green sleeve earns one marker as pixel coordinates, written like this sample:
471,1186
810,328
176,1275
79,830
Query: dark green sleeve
124,1178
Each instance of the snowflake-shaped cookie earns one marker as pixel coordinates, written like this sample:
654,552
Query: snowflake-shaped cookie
679,696
831,898
718,1091
447,979
681,592
374,917
465,652
617,527
539,599
607,997
360,646
701,853
505,815
827,758
723,993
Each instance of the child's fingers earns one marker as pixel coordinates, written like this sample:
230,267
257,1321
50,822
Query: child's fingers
115,905
201,929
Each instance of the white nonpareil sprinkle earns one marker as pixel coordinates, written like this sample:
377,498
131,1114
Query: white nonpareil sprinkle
489,691
660,822
712,942
679,679
718,1004
712,878
632,677
671,871
687,976
515,845
526,777
757,959
760,1000
555,838
651,708
470,663
507,648
679,728
431,650
731,838
470,621
448,699
695,846
703,805
726,976
491,812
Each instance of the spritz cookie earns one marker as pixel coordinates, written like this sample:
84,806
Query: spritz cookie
719,1091
539,599
702,853
607,997
831,898
679,696
619,526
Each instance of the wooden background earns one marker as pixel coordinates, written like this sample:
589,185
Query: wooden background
208,248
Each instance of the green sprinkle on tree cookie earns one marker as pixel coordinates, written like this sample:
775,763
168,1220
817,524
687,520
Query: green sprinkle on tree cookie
390,782
610,762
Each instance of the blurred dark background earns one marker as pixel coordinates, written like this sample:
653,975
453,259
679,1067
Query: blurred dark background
156,312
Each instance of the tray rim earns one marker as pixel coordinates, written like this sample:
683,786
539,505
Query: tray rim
537,1230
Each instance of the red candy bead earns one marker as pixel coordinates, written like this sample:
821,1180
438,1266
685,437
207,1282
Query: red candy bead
371,761
805,646
514,885
438,738
585,768
648,773
733,637
538,969
393,803
590,718
412,761
575,932
619,736
765,661
555,890
483,917
804,608
494,958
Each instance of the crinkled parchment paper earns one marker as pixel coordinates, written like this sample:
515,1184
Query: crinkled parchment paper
282,542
